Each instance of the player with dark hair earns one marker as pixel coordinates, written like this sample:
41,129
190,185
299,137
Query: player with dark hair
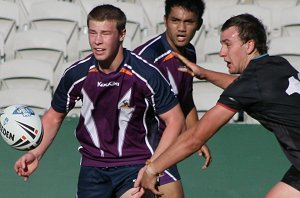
267,89
182,20
123,97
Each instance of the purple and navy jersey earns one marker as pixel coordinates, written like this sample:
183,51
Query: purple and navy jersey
119,109
269,91
158,52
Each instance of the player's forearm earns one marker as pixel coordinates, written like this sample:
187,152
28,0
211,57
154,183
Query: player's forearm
219,79
51,125
168,138
193,139
183,147
175,124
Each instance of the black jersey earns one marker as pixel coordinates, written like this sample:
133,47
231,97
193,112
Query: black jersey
269,91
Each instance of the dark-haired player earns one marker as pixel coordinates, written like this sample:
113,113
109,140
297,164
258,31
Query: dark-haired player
268,89
182,20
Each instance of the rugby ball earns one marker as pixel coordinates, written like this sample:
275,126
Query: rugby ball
20,127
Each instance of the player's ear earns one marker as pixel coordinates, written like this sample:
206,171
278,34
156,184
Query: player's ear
200,22
250,46
122,34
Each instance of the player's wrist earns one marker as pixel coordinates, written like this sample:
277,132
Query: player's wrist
35,155
150,170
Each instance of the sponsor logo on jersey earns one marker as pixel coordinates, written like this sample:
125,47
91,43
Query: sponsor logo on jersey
108,84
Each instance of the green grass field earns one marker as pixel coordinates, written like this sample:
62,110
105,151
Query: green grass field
247,161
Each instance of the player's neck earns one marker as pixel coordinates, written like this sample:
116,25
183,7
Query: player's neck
111,64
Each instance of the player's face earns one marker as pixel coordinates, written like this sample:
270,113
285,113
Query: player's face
234,51
181,26
105,39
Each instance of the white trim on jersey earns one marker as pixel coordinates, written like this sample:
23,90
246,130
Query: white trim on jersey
163,55
145,126
172,82
89,122
154,40
68,94
124,118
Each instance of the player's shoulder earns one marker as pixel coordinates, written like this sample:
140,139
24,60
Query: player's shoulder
152,48
79,68
139,64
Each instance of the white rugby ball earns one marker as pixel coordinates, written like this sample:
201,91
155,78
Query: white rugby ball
20,127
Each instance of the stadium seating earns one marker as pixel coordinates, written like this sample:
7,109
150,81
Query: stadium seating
9,23
25,7
43,45
2,53
285,47
27,74
276,7
154,11
211,13
261,13
215,66
211,49
290,21
38,100
84,48
59,16
88,5
198,42
136,23
205,95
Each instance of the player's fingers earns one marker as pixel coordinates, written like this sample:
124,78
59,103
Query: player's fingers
183,69
139,193
187,70
156,192
135,190
17,166
207,162
200,153
137,182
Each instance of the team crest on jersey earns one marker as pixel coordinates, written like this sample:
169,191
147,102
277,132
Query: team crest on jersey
23,110
124,104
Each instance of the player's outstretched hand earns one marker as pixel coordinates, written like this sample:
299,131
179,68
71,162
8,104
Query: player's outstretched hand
145,182
190,67
25,165
204,151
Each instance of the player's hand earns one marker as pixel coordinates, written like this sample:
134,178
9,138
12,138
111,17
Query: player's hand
204,151
25,165
146,182
138,191
190,67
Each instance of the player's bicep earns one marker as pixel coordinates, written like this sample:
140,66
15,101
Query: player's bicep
174,116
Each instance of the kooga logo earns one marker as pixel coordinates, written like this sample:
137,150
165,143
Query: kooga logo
109,84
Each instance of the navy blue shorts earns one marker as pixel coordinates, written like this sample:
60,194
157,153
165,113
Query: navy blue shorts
110,182
292,178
